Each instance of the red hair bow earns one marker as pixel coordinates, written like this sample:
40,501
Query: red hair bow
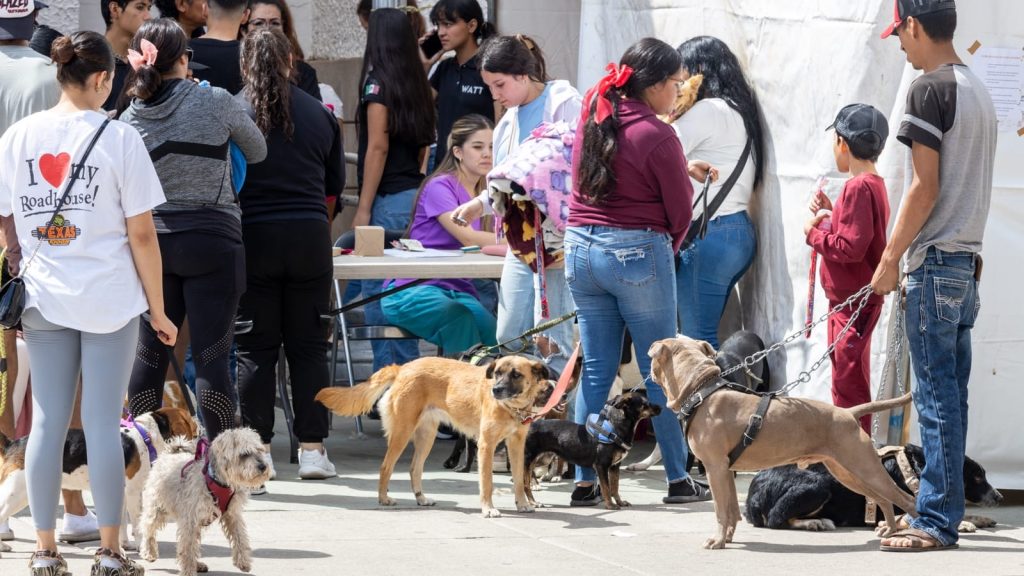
616,77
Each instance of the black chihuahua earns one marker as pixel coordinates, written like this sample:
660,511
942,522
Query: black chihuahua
602,443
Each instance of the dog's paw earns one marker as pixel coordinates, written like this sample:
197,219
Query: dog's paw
129,545
491,513
714,543
976,522
623,503
387,501
637,467
422,500
450,463
966,527
525,508
612,506
820,525
884,530
243,565
202,568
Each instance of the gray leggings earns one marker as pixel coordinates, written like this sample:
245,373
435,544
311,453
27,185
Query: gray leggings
56,356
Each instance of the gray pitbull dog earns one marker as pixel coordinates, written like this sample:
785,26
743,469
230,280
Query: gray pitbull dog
795,431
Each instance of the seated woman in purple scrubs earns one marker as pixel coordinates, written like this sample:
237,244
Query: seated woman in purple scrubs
446,312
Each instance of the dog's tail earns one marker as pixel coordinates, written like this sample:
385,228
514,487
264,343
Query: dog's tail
354,401
879,406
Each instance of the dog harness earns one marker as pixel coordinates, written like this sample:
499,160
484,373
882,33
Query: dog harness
220,493
910,477
754,423
600,427
129,423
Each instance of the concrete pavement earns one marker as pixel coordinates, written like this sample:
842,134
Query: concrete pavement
336,527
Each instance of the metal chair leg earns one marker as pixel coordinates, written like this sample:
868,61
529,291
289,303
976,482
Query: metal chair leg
348,367
286,405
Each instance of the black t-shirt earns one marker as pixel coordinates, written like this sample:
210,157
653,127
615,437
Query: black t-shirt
306,79
298,175
121,71
402,166
222,58
460,91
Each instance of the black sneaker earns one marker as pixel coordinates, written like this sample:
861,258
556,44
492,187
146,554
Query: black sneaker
686,491
586,496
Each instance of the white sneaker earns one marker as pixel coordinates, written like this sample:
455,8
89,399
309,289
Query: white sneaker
77,529
5,531
268,459
315,465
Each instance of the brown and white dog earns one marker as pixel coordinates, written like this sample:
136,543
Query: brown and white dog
795,431
488,403
141,443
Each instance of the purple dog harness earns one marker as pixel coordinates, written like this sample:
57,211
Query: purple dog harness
129,423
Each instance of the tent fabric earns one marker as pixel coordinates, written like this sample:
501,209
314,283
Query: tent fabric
806,61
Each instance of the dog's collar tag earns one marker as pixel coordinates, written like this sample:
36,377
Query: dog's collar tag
146,438
601,429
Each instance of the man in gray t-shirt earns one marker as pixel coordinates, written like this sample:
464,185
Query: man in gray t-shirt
950,127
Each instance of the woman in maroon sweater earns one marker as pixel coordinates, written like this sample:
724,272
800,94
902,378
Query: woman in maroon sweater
629,212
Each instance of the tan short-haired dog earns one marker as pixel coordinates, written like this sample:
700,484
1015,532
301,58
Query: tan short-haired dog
487,403
795,431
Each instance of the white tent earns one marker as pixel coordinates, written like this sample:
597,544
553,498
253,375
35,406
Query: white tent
806,60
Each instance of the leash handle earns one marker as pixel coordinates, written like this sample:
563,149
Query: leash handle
563,384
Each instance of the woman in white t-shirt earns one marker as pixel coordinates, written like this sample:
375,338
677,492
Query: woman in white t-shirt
90,271
716,130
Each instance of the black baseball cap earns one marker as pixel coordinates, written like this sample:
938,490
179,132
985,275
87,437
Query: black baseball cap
862,125
16,18
908,8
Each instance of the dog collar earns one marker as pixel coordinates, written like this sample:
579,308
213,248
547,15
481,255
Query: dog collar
221,493
600,427
146,438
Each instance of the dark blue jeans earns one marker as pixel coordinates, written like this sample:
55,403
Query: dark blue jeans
942,305
708,271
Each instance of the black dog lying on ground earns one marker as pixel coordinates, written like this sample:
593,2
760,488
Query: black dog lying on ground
602,443
812,499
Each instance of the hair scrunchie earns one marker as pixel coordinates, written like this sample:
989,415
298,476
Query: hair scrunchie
616,77
147,58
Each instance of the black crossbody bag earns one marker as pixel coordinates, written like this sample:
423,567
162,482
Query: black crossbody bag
699,227
12,294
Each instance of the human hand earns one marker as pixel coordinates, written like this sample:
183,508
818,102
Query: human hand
700,169
165,330
886,278
820,201
362,217
468,212
813,222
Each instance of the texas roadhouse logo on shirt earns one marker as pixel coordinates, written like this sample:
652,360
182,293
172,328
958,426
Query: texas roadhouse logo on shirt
53,170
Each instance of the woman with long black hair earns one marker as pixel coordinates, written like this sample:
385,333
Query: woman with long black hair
287,239
717,129
396,126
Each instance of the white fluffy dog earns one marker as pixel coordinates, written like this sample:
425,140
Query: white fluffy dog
197,489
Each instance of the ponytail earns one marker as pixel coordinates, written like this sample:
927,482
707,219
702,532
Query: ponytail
157,47
517,55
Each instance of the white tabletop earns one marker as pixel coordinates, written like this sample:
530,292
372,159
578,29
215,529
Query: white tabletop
457,266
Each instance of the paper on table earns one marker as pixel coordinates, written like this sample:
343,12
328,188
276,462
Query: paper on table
426,253
1002,72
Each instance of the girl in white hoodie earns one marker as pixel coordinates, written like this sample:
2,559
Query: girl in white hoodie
513,68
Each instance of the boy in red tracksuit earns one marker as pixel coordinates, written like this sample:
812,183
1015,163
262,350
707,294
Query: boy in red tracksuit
851,239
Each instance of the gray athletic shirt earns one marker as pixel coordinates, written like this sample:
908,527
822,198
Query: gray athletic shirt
949,110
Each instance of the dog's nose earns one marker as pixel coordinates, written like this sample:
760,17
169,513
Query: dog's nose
262,467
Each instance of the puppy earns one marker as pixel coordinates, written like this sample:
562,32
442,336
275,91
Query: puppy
489,404
602,443
732,352
195,490
141,443
685,99
795,431
812,499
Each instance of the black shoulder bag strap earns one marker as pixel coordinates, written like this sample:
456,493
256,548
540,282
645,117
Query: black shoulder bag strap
67,191
700,226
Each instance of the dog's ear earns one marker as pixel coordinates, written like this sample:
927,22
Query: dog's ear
707,349
490,369
540,371
163,422
618,401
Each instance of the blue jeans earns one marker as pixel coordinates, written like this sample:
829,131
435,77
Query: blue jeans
623,279
519,308
392,212
942,305
708,271
455,321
